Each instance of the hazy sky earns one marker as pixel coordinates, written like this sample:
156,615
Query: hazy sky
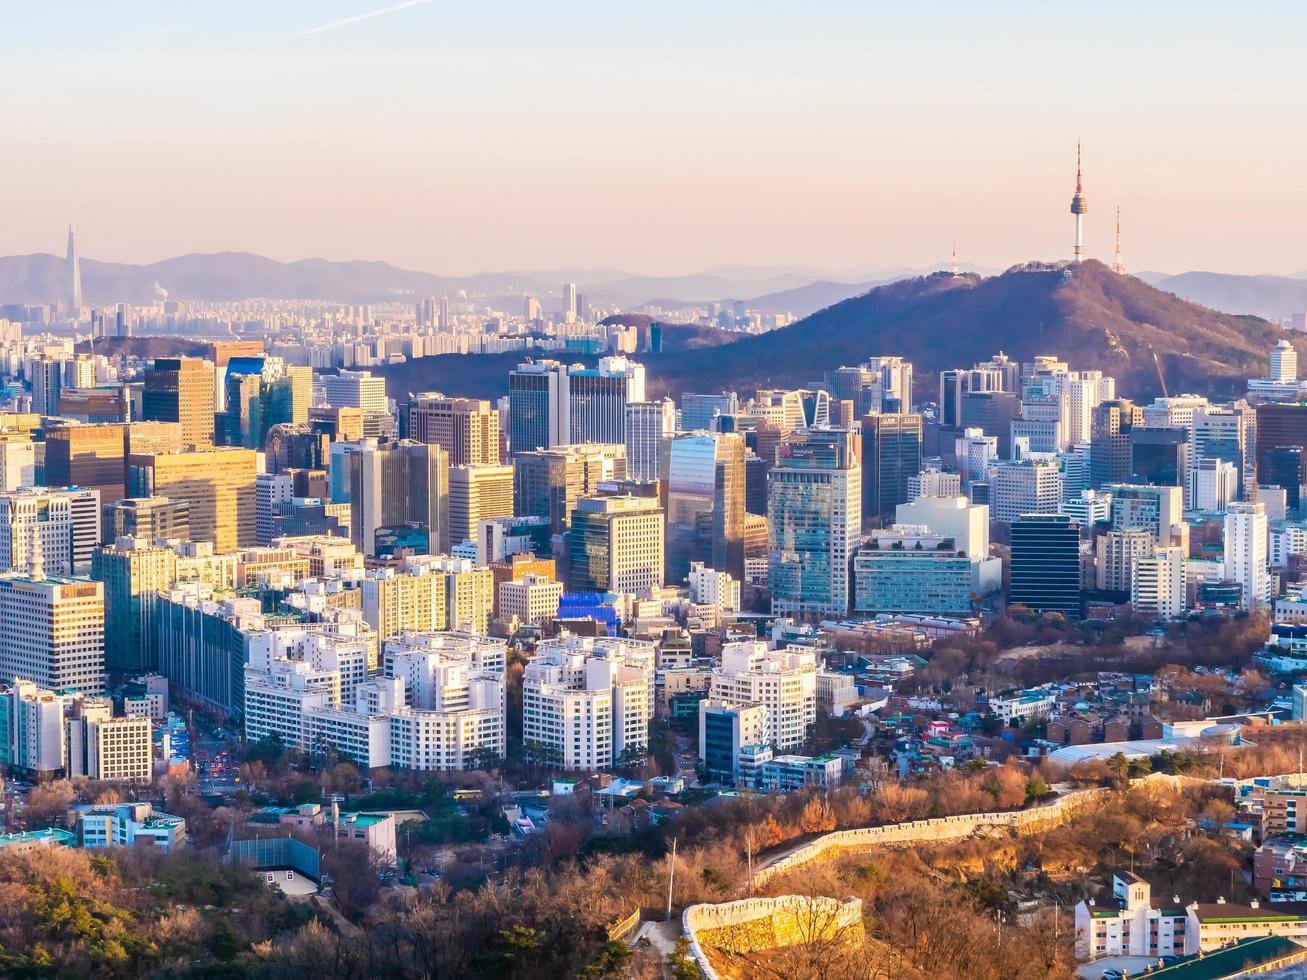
663,138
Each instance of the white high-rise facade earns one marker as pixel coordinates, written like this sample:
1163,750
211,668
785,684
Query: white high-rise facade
55,529
649,428
53,633
1246,547
1159,588
784,681
1030,486
1213,485
587,702
597,398
976,453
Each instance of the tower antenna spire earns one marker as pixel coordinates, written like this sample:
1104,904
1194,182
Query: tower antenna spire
955,260
1118,266
1079,206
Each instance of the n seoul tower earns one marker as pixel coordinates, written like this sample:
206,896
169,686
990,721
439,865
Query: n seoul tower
1078,207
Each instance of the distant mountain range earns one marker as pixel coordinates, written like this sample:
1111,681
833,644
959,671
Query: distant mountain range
769,289
1087,314
238,275
1267,296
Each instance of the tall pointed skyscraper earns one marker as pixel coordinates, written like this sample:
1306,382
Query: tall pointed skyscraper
74,297
1079,206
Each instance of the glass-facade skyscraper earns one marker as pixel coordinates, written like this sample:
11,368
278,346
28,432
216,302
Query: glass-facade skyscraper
814,507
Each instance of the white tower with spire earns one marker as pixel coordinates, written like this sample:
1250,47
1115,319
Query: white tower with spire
1079,206
74,277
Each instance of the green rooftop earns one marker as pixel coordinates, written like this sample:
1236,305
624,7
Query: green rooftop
1233,961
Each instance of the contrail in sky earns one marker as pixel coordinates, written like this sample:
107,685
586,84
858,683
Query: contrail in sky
367,16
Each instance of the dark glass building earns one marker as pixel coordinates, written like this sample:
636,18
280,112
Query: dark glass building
1046,563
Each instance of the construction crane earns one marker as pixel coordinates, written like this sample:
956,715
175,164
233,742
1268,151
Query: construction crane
1157,362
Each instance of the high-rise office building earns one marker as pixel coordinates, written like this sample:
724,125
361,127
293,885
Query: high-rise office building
363,391
992,413
1159,455
549,482
467,428
477,493
398,483
217,486
891,456
705,503
814,508
698,411
1111,425
1027,486
649,430
262,392
181,389
53,529
891,385
1282,467
597,398
569,302
1228,433
1246,546
54,632
151,518
538,406
1046,564
17,460
132,571
1279,427
47,379
90,456
615,544
101,746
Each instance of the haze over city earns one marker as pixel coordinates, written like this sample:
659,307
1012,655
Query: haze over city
652,492
660,140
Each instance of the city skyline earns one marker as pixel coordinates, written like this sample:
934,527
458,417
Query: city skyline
660,142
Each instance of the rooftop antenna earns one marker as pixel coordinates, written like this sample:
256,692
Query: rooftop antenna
1117,265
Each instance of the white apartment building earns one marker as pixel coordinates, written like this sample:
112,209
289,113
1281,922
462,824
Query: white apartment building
588,700
934,483
53,633
1028,486
1213,485
1246,542
533,599
1158,587
1131,925
1159,510
429,592
100,746
439,706
33,736
784,681
1022,706
713,588
1117,553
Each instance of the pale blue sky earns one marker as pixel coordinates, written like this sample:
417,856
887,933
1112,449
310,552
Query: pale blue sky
457,137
